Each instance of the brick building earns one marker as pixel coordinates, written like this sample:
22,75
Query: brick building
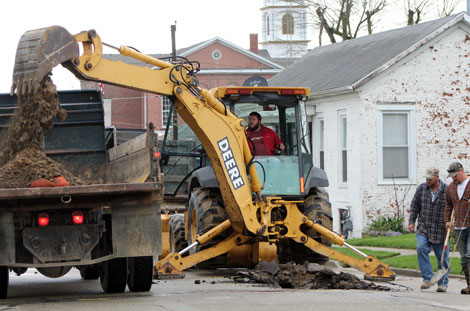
222,63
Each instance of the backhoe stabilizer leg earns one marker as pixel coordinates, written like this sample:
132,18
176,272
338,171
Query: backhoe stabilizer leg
174,263
374,269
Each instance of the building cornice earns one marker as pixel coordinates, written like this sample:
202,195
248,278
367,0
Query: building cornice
238,71
285,41
284,7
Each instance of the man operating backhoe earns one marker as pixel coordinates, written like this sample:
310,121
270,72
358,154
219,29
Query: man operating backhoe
263,140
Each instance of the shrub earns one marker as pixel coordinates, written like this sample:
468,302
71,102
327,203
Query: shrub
385,224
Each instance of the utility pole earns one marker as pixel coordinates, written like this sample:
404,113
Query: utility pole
173,54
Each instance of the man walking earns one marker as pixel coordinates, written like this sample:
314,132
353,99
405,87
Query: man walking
458,195
428,206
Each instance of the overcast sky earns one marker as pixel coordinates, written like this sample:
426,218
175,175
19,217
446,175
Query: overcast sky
143,24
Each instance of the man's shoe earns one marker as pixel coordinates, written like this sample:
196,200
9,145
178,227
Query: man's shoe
426,285
465,291
441,289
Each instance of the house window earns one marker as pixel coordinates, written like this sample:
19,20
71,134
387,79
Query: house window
396,146
267,25
343,147
287,24
320,142
166,106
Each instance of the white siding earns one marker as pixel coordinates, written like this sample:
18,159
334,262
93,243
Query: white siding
347,194
434,79
431,80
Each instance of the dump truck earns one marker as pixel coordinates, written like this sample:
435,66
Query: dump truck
109,227
247,217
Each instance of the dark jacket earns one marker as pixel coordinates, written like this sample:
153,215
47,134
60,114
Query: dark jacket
431,223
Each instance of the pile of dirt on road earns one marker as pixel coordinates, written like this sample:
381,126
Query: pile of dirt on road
21,158
306,276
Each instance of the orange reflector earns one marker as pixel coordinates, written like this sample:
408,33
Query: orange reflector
302,186
156,154
293,92
43,219
77,217
231,91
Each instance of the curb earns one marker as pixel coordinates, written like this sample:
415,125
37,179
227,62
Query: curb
417,273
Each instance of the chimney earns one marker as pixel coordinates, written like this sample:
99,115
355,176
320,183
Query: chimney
254,42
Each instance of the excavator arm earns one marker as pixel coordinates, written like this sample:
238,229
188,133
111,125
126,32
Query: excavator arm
220,132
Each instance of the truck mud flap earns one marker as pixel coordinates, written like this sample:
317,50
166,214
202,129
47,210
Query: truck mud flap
136,230
7,239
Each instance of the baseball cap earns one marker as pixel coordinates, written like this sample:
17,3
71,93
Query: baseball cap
454,167
431,172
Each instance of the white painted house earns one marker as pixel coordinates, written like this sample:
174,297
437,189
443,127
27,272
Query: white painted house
383,108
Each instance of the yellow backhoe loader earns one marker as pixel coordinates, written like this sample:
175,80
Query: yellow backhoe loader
256,221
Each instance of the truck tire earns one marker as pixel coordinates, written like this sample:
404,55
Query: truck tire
90,272
4,279
317,207
205,211
140,273
113,275
177,239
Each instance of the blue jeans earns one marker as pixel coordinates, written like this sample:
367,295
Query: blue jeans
463,245
424,248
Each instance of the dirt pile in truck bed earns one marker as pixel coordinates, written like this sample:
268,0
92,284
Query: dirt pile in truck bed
21,158
307,276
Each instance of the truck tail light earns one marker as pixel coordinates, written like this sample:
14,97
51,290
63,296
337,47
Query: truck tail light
77,217
43,219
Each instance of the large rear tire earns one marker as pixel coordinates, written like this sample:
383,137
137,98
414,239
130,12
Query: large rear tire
316,207
206,211
4,280
113,275
177,237
140,273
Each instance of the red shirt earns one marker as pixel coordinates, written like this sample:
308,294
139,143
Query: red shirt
265,141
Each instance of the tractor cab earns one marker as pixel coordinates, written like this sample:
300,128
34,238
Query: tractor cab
289,172
282,110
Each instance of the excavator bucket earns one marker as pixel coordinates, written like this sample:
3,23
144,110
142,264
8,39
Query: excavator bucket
38,52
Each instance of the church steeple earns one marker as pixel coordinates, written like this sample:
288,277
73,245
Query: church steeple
284,31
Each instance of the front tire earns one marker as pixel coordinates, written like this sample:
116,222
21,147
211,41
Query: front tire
176,234
206,211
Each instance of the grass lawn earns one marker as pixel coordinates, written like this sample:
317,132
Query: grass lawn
378,254
411,262
394,259
407,241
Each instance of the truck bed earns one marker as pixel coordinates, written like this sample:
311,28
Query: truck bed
95,195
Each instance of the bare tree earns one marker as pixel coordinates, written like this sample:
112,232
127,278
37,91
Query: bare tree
447,7
345,18
415,10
